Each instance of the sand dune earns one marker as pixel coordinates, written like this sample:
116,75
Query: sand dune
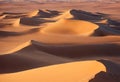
43,13
32,13
2,16
105,77
106,30
104,21
77,51
14,22
28,57
64,15
12,34
79,14
75,27
32,21
59,42
47,13
62,72
111,74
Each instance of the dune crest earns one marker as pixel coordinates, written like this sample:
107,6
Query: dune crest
2,16
19,47
32,13
16,23
59,73
104,21
78,14
64,15
74,27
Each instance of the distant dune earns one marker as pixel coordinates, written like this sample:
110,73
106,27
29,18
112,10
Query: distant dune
33,13
15,22
79,14
75,27
2,16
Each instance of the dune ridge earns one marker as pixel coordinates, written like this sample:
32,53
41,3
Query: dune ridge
19,47
78,14
58,74
2,16
64,15
77,27
28,57
15,22
32,13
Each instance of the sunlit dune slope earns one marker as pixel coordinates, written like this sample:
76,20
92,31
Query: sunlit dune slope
104,21
81,71
78,14
15,22
2,16
32,13
75,27
64,15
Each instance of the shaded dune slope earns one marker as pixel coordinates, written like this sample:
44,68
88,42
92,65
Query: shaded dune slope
112,73
105,77
77,51
43,13
79,14
34,21
107,30
4,34
26,56
34,54
47,13
35,18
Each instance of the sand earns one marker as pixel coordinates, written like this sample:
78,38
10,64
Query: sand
74,27
60,42
63,72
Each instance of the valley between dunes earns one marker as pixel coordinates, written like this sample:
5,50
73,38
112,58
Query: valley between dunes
49,42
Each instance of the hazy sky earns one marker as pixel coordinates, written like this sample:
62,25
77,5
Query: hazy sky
61,0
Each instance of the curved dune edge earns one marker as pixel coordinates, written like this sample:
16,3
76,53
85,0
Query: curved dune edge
104,21
64,15
16,23
32,13
83,72
18,47
78,14
2,17
74,27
